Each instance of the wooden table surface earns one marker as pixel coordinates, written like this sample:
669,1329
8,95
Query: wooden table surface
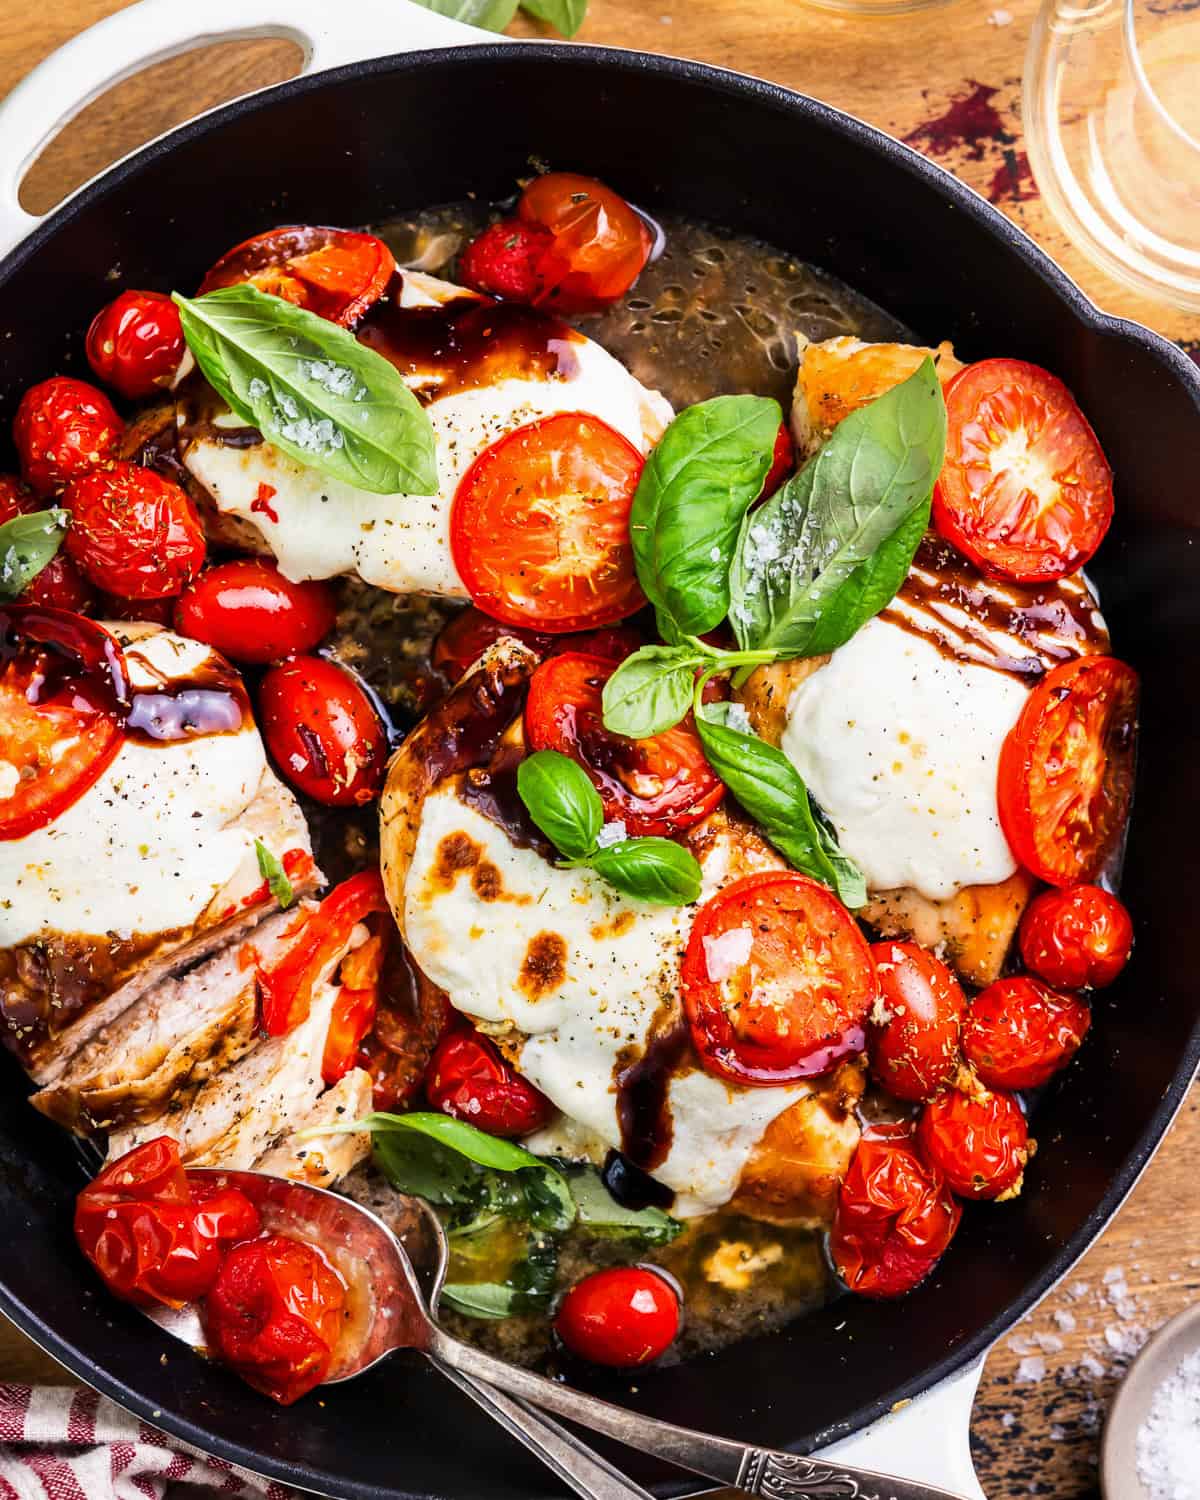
948,81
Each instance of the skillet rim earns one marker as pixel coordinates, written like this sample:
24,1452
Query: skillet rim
737,87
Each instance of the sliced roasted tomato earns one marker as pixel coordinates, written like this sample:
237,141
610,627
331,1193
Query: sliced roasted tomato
468,635
540,525
655,786
335,273
777,980
599,241
63,696
1066,769
1025,491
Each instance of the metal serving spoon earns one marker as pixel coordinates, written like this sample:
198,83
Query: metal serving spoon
388,1311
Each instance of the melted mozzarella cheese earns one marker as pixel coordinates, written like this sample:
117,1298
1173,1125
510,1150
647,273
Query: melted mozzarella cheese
900,746
582,972
402,542
147,847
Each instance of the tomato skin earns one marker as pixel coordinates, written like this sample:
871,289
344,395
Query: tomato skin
133,532
802,937
250,612
894,1218
599,242
63,429
1066,769
323,732
783,461
464,639
915,1052
336,273
469,1079
1077,938
59,585
979,1144
156,611
275,1315
135,344
1018,1033
623,1317
503,261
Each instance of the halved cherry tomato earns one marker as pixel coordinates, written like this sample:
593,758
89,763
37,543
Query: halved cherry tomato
1025,491
355,1006
539,527
133,532
777,980
250,612
63,428
979,1144
1076,939
783,461
600,242
504,260
336,273
150,1236
59,585
63,699
322,731
135,344
660,785
914,1051
468,1078
623,1317
1018,1033
1066,769
465,638
894,1217
275,1315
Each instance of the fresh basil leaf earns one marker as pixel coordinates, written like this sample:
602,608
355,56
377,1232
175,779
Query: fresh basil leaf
850,882
27,544
704,474
527,1288
601,1214
656,870
488,15
416,1164
564,15
275,875
771,790
549,1204
650,691
827,552
312,390
455,1135
561,800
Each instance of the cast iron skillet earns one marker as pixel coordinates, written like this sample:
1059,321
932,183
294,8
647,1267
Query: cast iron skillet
362,142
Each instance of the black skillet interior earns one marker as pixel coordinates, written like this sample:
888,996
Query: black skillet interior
398,134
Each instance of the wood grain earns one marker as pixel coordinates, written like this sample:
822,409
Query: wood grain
948,81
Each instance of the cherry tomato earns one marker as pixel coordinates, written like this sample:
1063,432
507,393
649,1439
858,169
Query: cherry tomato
600,243
539,527
914,1052
59,585
135,344
63,428
979,1145
62,711
250,612
151,1237
351,1020
133,532
1025,490
894,1216
465,638
504,260
1066,769
783,461
468,1078
1076,939
625,1316
275,1315
660,785
323,732
1018,1033
777,980
411,1018
156,611
336,273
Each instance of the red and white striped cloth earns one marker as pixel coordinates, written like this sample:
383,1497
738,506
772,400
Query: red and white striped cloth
66,1443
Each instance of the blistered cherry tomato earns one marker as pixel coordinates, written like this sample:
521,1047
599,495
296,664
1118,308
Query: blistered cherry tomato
135,344
63,428
600,243
250,612
1018,1033
335,273
504,260
275,1314
625,1316
914,1051
979,1144
60,583
322,731
465,638
1076,939
133,532
894,1217
783,461
411,1018
468,1078
155,611
1066,769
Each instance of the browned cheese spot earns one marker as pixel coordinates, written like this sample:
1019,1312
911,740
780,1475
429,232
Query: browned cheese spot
545,965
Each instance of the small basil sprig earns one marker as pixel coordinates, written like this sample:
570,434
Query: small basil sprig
312,390
275,875
27,544
564,804
652,689
494,15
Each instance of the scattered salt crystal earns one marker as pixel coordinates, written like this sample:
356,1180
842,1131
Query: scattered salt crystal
313,437
1008,1419
1000,18
1125,1342
1057,1433
612,833
1065,1320
725,954
337,379
1090,1365
1021,1343
1113,1275
737,718
1167,1439
1031,1369
287,405
257,388
1049,1343
1079,1289
714,554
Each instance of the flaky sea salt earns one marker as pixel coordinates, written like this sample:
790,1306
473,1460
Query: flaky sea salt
1031,1369
725,954
611,833
737,718
1169,1439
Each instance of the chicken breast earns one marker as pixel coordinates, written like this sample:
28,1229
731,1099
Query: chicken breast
325,1160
